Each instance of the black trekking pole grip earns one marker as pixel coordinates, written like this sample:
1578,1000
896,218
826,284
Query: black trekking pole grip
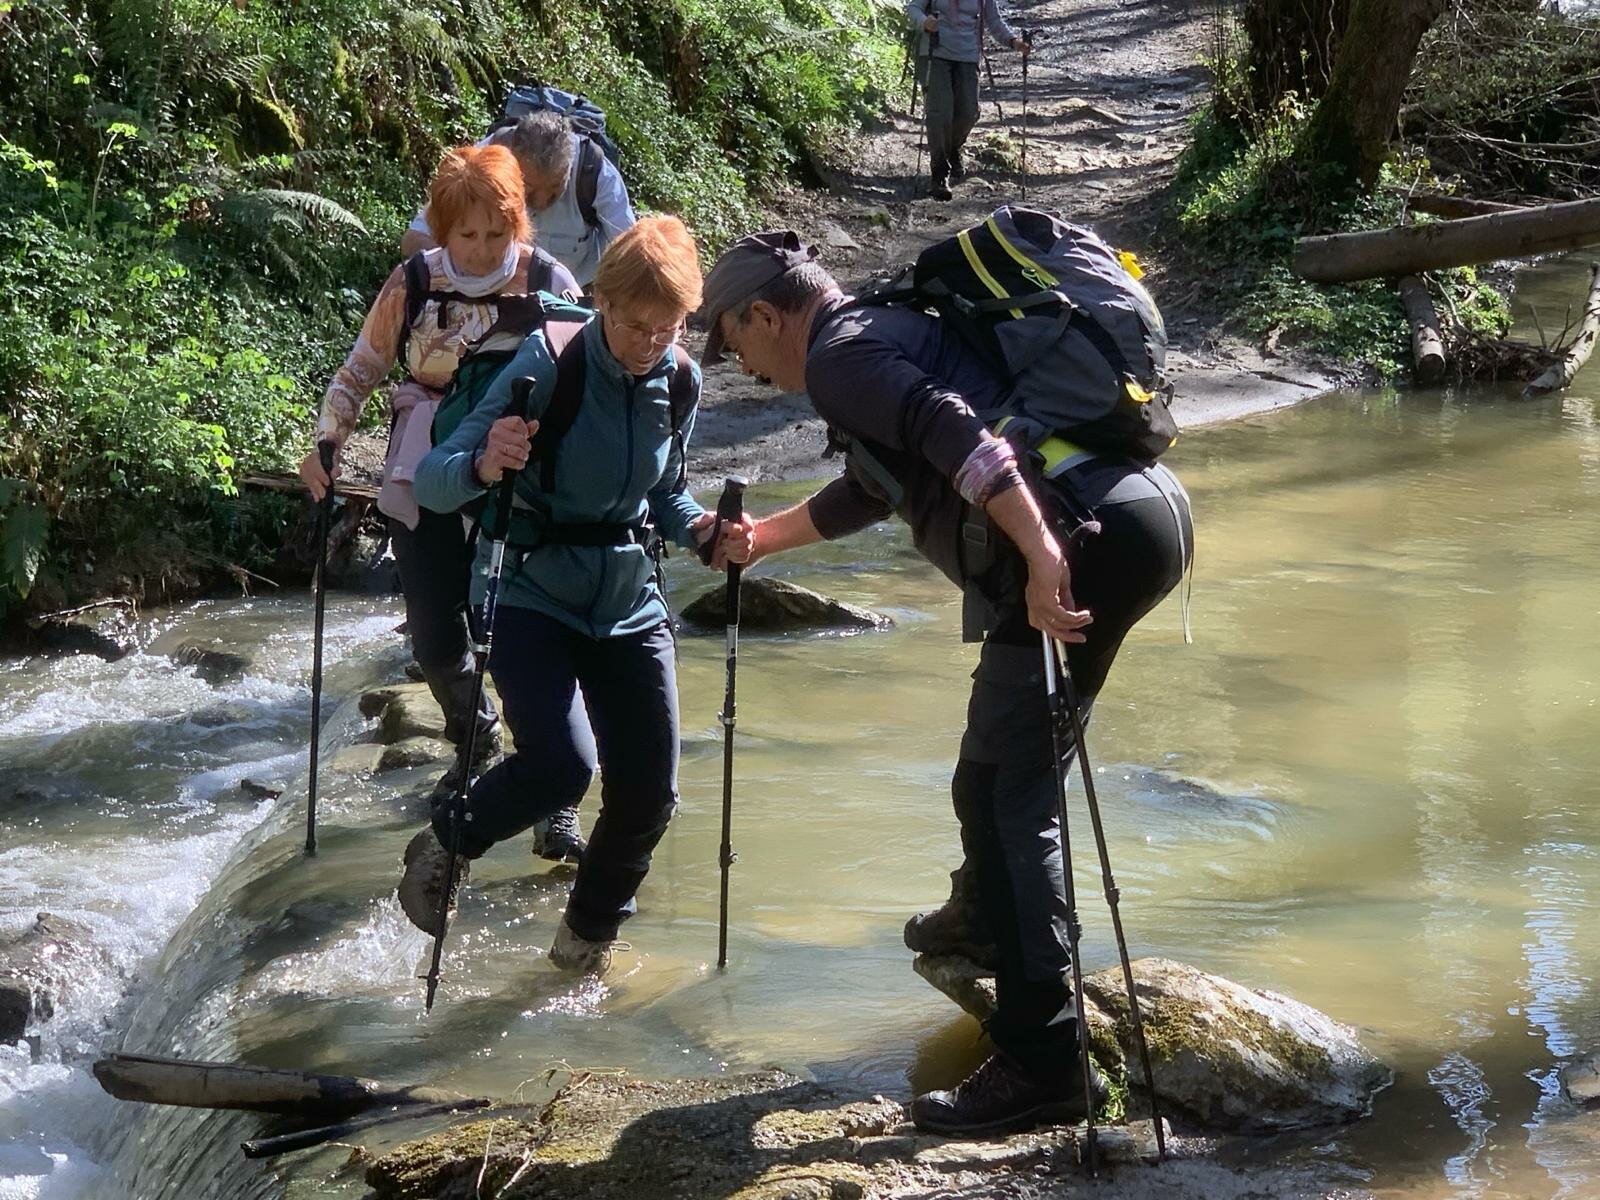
730,507
326,449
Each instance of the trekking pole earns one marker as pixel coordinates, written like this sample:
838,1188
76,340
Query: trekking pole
1074,929
500,513
325,452
730,507
917,130
1027,47
994,94
1074,712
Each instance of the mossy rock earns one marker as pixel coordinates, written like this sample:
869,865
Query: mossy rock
1233,1058
1224,1057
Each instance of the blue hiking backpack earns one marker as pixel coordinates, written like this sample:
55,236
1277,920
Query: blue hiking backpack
585,117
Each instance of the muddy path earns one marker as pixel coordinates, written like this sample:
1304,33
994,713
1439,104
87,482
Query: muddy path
1111,90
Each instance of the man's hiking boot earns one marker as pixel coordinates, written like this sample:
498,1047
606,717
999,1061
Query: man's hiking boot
558,837
423,883
938,189
486,752
1002,1097
958,926
958,168
569,952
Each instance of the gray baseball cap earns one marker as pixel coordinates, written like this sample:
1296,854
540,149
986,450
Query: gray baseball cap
744,269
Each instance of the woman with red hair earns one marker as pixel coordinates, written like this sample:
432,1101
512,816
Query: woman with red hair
476,209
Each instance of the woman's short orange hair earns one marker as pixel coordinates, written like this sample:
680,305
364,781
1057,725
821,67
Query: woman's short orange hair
653,267
477,176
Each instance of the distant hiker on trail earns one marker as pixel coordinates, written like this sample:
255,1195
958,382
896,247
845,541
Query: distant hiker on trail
576,198
899,390
583,645
429,308
949,45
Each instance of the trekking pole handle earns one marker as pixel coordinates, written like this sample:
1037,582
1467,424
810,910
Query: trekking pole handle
730,507
521,388
326,449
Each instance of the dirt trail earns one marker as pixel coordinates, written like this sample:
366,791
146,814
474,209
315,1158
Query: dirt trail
1111,88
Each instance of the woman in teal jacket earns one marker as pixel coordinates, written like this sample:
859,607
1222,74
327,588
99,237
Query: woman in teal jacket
583,649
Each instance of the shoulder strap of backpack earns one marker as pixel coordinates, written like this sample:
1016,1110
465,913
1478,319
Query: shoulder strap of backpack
418,280
681,398
590,160
561,412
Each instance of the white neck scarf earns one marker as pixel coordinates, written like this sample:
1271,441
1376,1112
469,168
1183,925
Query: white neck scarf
481,285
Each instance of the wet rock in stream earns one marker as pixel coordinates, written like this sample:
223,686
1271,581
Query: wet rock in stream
38,969
769,605
1225,1057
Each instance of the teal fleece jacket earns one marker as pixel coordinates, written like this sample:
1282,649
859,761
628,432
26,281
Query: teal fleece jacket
618,463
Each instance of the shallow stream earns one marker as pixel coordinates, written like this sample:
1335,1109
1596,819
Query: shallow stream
1369,784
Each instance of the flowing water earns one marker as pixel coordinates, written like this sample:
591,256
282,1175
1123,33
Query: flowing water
1369,784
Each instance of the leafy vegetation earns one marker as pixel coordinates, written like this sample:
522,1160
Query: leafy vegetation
1241,199
198,200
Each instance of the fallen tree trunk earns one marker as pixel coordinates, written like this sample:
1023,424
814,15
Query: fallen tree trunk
1559,374
293,483
1427,347
256,1089
1413,249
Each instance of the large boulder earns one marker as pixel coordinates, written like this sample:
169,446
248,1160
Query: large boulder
769,605
1225,1057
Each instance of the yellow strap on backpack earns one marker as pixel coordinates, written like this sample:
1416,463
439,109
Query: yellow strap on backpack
1058,453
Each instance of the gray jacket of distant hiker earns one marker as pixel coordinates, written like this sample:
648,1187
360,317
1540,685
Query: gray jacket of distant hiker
958,26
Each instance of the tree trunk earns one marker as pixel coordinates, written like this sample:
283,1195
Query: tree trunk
1293,45
1413,249
1427,347
1347,139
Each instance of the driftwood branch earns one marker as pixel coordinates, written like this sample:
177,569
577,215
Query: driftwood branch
269,1147
257,1089
1427,347
1559,374
1413,249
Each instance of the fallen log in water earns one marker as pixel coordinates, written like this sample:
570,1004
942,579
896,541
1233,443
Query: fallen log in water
151,1080
1427,347
1559,374
1413,249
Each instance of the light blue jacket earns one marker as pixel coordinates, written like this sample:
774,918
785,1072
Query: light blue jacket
958,27
617,464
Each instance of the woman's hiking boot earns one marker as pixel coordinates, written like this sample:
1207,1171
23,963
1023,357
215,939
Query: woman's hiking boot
569,952
424,881
958,926
488,748
1001,1096
558,837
